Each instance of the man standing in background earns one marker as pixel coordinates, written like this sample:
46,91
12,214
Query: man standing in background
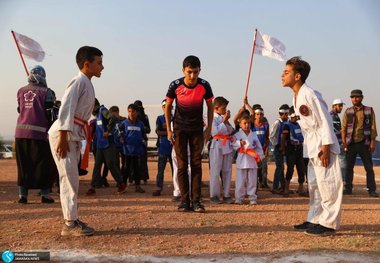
359,137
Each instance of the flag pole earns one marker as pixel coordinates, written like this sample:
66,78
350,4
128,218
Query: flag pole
250,64
19,51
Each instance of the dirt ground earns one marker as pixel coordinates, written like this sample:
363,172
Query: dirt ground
136,227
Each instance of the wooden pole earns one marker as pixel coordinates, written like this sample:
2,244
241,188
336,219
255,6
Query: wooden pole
250,64
19,51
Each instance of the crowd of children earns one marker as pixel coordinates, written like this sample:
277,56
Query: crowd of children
246,144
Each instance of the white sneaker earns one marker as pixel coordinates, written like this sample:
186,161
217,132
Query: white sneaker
253,202
79,228
239,202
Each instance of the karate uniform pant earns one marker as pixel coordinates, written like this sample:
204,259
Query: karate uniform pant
220,163
176,191
246,183
326,191
68,177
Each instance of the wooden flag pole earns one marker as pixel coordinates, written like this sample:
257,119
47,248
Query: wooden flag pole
250,64
19,51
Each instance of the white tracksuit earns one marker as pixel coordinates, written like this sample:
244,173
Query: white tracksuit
220,158
246,166
325,184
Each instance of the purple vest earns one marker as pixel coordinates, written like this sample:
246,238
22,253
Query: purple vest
32,122
366,125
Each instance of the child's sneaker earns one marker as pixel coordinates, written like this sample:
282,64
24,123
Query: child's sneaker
239,202
122,189
228,200
253,202
138,189
215,200
79,228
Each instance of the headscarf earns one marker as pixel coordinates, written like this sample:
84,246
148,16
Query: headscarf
37,75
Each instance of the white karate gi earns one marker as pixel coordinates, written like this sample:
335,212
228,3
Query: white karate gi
325,184
246,166
78,101
220,158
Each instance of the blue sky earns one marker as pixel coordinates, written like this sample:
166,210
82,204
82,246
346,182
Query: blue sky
144,43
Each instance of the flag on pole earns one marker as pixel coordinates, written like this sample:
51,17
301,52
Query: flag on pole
29,47
268,46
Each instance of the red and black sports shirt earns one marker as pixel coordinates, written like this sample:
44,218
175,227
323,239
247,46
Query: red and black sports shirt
188,114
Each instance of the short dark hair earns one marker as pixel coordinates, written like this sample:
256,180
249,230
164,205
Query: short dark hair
220,101
114,109
87,53
300,66
245,117
191,62
133,107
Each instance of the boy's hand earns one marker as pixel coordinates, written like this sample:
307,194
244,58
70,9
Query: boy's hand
324,155
170,136
226,116
63,145
206,134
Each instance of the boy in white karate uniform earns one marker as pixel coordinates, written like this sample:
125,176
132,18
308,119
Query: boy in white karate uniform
221,152
321,147
250,154
67,133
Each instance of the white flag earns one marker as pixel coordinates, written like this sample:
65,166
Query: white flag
29,47
269,47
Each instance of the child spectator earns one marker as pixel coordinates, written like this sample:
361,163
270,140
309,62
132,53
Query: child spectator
249,156
133,146
164,150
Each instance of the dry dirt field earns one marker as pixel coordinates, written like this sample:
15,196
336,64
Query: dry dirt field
136,227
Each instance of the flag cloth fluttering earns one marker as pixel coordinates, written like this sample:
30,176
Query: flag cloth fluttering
268,46
29,47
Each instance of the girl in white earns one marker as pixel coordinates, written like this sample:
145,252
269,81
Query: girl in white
250,154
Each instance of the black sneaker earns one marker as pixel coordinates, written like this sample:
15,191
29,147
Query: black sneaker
82,172
176,198
106,184
198,207
215,200
320,230
23,200
184,207
228,200
47,200
304,226
373,194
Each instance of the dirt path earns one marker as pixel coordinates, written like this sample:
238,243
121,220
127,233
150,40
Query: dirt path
142,228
